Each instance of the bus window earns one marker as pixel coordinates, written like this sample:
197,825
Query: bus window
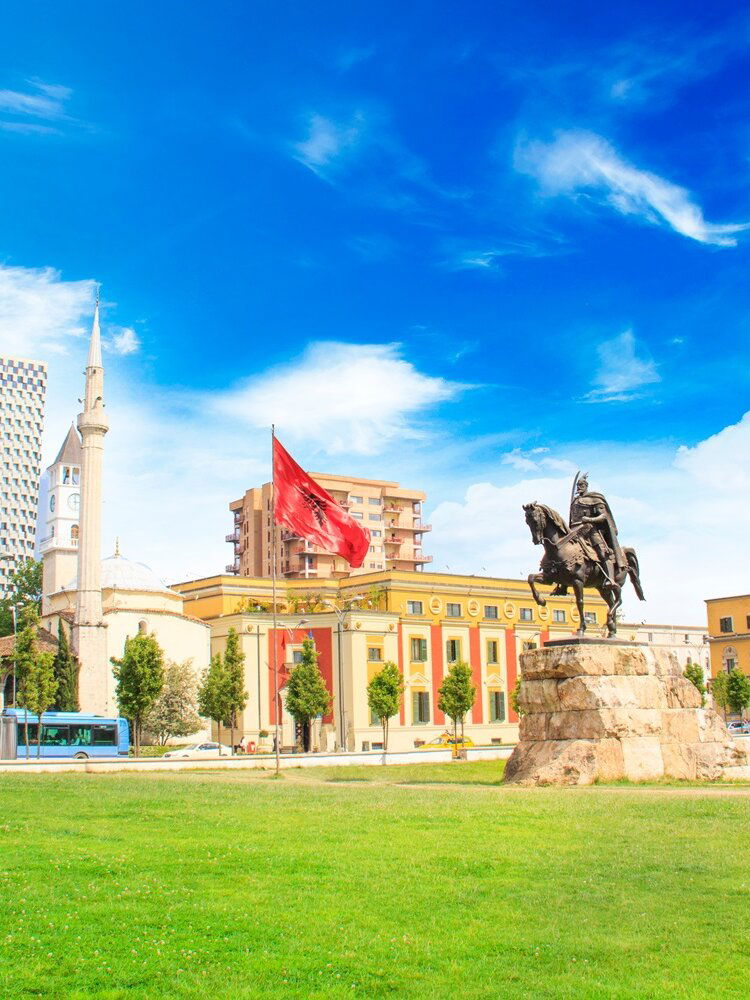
54,736
80,736
104,736
22,733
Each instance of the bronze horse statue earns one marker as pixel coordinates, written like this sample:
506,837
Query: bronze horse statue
566,564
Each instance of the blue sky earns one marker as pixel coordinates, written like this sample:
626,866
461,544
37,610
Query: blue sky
512,237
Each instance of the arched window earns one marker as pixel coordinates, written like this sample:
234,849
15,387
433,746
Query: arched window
74,534
729,658
143,626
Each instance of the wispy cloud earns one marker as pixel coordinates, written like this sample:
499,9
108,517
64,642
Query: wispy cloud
353,397
621,371
581,162
40,313
125,341
329,144
536,460
44,101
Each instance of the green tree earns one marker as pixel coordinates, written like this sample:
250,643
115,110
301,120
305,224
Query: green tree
140,678
720,691
515,696
66,671
384,694
456,695
174,711
235,695
738,691
694,673
306,694
212,692
24,589
35,680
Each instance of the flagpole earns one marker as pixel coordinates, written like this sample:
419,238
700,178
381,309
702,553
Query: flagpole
274,656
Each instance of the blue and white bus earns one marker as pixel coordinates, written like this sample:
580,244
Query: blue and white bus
64,734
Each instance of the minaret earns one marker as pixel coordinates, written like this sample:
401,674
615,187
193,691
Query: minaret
89,636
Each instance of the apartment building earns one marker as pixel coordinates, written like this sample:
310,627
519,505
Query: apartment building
23,385
392,514
729,633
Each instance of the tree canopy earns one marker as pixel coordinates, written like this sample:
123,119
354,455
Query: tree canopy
384,694
456,694
140,678
174,711
307,696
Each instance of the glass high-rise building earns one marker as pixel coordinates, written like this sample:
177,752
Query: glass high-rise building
23,385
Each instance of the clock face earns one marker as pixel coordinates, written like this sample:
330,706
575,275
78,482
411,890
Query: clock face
52,503
74,501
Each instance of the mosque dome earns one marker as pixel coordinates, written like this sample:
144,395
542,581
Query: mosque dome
119,573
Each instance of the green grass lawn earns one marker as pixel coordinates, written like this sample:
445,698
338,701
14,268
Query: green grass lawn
324,885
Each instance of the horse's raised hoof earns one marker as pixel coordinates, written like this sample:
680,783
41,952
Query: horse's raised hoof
542,602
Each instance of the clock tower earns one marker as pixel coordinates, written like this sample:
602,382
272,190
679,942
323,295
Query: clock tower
59,547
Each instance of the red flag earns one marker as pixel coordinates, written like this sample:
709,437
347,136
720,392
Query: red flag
306,509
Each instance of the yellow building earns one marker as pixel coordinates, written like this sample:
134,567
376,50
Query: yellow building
729,633
423,622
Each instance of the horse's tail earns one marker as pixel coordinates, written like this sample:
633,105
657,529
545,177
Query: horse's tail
634,572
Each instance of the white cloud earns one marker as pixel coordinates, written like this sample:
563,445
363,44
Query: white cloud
348,397
46,100
126,341
684,512
328,143
41,313
583,162
621,371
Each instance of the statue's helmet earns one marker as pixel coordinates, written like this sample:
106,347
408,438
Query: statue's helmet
583,481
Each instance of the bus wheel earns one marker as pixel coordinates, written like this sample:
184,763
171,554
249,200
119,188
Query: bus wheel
80,756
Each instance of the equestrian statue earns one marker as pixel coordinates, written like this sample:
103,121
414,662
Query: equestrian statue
587,553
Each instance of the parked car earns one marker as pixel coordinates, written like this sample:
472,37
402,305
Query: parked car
739,728
200,751
446,742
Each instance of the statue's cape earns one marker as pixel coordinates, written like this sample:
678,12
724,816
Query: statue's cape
609,528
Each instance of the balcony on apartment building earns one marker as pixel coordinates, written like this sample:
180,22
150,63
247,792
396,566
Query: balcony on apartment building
233,536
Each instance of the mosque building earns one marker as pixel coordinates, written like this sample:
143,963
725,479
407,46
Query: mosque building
102,602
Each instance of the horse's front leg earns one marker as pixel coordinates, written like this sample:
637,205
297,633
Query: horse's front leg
578,591
615,601
537,578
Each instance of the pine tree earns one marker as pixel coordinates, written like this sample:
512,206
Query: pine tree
212,692
307,696
456,696
235,695
384,694
35,679
140,678
66,671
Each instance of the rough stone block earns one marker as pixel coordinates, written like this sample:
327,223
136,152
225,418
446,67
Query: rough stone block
642,758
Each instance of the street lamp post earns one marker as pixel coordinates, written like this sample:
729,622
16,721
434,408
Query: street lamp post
340,615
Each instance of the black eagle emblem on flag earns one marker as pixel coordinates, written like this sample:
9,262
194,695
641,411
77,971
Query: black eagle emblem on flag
316,504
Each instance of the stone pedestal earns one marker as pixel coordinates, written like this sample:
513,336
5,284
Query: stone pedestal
604,711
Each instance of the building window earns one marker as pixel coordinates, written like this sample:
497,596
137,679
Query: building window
453,650
589,617
490,611
143,626
376,533
296,656
729,658
374,653
374,517
558,616
374,720
375,501
420,707
748,622
726,624
497,706
492,651
419,650
414,607
357,515
354,499
76,476
526,614
453,610
74,534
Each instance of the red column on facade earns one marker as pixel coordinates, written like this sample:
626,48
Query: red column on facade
544,637
400,651
324,646
475,660
436,634
512,663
